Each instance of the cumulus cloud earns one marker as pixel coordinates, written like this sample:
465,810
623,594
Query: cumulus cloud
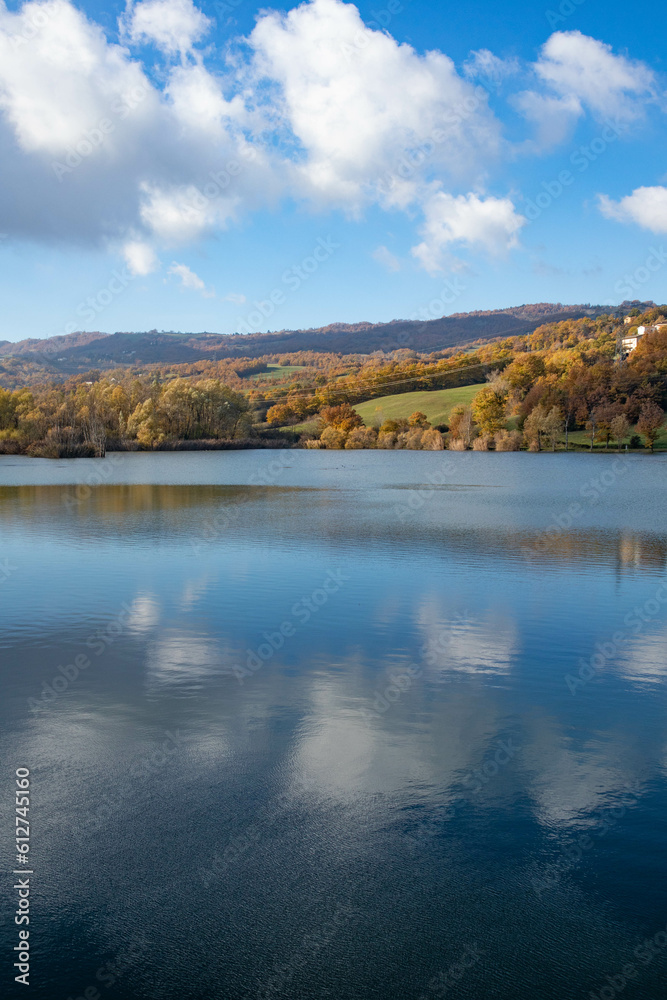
646,207
178,214
385,257
364,110
140,258
489,69
582,68
313,105
92,151
190,280
490,224
59,80
172,25
197,101
553,117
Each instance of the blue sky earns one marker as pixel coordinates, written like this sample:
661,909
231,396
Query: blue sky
229,167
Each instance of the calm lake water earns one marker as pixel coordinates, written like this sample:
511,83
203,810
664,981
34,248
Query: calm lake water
337,725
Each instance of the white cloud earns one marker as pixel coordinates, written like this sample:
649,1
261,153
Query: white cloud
553,117
486,645
181,214
385,257
313,105
489,69
359,104
190,280
198,102
644,661
144,614
181,660
570,786
490,224
646,207
57,82
238,300
583,68
140,257
172,25
91,151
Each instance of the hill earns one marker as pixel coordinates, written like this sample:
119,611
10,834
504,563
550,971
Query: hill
436,405
581,382
29,361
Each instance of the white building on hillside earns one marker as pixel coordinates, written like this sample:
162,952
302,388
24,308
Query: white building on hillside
629,343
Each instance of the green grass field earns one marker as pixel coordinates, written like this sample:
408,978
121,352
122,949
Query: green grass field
581,439
277,371
436,404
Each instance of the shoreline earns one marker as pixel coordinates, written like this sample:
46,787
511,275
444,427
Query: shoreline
275,445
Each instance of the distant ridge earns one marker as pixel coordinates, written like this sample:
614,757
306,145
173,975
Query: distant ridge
61,356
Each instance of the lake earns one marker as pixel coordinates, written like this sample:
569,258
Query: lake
306,724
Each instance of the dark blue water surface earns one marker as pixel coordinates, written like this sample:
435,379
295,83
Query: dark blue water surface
337,725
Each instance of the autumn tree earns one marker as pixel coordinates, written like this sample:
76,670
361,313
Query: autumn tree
280,414
620,428
592,426
523,372
605,414
552,426
488,407
342,417
361,437
462,425
534,426
432,440
650,422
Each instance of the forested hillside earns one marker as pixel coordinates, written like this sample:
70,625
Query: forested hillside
29,362
566,383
